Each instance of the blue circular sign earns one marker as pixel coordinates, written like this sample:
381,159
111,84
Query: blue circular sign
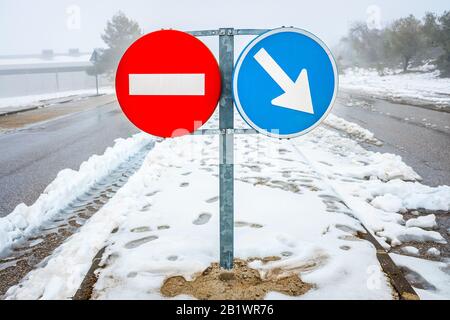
285,82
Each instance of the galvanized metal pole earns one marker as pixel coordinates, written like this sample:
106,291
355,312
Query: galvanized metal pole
57,81
226,141
96,80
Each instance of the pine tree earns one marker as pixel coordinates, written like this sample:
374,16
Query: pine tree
119,33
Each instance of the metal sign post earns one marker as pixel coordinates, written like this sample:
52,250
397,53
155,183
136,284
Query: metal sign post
226,145
226,137
94,58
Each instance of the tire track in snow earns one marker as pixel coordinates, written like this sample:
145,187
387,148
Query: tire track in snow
34,250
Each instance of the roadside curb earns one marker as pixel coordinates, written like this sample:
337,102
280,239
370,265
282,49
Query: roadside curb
400,284
43,105
84,292
8,113
408,102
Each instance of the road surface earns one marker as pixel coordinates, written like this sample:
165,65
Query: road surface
420,136
31,158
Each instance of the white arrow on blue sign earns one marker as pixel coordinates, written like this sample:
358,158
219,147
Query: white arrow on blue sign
285,82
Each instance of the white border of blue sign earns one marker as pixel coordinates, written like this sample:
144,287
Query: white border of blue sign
244,54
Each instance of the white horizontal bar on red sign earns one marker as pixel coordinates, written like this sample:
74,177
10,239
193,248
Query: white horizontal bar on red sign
167,84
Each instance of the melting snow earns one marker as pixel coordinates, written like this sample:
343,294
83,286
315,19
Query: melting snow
297,199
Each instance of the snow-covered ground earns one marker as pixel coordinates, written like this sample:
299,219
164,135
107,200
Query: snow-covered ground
302,200
415,87
41,99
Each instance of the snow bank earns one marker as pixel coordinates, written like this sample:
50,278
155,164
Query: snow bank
426,87
409,195
68,185
352,129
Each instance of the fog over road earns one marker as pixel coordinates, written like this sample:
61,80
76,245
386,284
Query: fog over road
420,136
31,158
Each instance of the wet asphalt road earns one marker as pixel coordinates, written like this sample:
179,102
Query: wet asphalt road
31,158
420,136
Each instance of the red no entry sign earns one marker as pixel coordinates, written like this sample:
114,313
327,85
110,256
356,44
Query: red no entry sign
168,83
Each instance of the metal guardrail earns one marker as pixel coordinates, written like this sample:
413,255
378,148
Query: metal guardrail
227,31
13,71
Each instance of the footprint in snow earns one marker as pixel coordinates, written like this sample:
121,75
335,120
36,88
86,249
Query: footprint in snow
172,258
238,224
141,229
150,194
349,238
202,219
213,199
146,207
184,184
136,243
326,163
286,174
163,227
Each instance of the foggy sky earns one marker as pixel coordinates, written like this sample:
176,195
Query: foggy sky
28,26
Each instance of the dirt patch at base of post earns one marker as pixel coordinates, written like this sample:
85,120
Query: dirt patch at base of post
240,283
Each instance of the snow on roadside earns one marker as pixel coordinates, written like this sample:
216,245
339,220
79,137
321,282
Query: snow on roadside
377,187
65,188
288,204
37,99
426,87
165,222
352,129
